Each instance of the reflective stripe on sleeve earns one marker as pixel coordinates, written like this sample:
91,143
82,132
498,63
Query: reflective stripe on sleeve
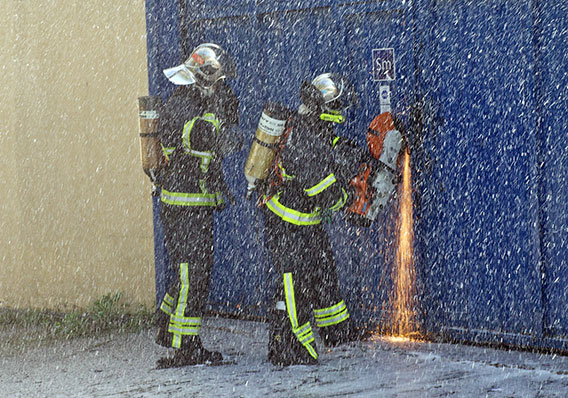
341,202
321,186
169,300
293,216
285,176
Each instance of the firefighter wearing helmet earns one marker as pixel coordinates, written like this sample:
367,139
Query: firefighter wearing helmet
194,122
307,192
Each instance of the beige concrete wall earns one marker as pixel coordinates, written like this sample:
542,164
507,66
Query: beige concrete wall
75,206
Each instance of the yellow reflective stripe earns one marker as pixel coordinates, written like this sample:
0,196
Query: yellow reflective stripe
211,118
179,331
332,117
303,333
201,154
169,299
205,156
181,304
219,197
290,300
184,290
340,203
305,341
167,151
189,320
321,186
322,312
305,336
166,308
208,117
188,199
333,320
331,315
334,142
202,186
186,132
184,325
311,350
293,216
167,304
302,330
283,170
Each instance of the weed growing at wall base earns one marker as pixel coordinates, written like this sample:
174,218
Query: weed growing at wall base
108,314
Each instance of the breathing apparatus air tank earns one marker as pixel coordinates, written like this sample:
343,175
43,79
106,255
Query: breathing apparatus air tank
150,150
265,144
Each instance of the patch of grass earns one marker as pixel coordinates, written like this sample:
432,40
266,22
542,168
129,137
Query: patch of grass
107,314
26,318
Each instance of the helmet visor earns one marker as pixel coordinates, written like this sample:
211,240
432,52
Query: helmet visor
180,75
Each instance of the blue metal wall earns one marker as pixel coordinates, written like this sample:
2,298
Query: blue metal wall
551,88
492,225
482,85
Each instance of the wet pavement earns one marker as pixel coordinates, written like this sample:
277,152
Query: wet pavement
124,366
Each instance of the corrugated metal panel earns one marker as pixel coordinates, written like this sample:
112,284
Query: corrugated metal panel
551,39
490,78
486,252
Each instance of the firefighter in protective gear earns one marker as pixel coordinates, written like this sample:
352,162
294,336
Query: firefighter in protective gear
308,192
192,124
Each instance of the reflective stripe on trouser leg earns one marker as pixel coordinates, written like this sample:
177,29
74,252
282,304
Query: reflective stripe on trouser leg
181,325
167,305
331,315
303,333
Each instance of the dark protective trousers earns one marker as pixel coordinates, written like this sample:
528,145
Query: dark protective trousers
305,252
188,233
302,255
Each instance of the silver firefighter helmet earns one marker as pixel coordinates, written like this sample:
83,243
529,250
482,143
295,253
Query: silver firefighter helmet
337,93
207,64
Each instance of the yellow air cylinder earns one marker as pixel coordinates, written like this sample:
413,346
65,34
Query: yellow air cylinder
150,150
270,128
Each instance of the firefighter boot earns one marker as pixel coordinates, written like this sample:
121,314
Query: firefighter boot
284,349
341,333
163,337
192,352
